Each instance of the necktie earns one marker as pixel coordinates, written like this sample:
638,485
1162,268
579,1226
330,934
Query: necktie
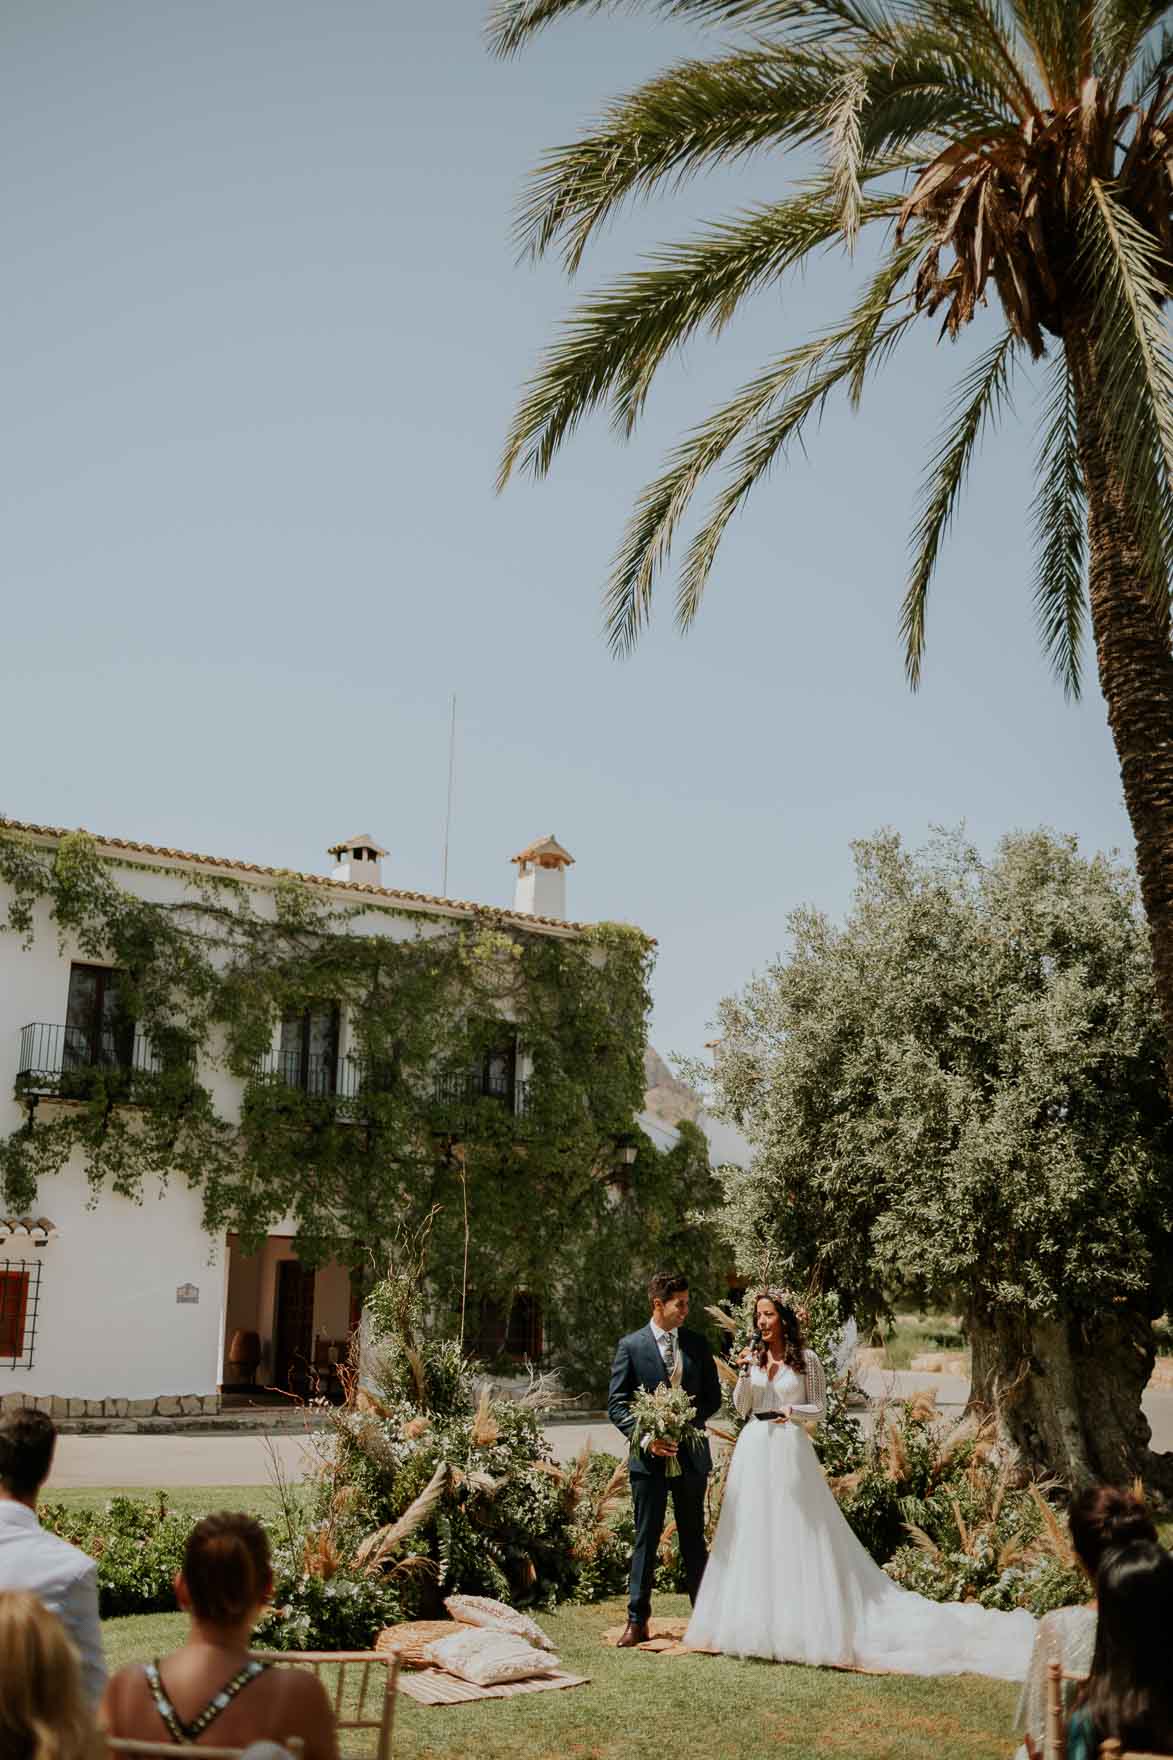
670,1352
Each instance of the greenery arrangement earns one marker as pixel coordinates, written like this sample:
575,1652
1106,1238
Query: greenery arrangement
938,1507
997,160
137,1544
205,978
959,1093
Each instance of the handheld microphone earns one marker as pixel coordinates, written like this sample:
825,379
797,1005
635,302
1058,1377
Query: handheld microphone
755,1343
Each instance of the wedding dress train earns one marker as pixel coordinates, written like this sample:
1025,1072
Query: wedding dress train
788,1579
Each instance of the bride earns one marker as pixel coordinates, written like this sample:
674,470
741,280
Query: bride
787,1577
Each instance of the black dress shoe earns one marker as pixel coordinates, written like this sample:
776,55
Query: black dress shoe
634,1632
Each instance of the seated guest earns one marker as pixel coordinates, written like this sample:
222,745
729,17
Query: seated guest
60,1576
210,1683
43,1710
1129,1693
1101,1517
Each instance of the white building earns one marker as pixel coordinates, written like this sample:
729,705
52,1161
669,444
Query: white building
118,1307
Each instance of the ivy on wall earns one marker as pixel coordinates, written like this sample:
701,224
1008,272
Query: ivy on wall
528,1195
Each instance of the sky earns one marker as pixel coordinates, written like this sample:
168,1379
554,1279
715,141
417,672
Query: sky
265,329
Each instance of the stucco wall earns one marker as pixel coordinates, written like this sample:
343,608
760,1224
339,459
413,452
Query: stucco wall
108,1321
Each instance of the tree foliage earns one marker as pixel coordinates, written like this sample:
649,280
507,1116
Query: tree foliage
958,1092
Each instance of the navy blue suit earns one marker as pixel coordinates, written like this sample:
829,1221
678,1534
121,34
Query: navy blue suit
638,1363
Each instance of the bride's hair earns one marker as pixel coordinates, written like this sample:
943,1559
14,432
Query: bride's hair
793,1344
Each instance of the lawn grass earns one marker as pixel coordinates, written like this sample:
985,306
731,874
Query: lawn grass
640,1704
914,1335
192,1500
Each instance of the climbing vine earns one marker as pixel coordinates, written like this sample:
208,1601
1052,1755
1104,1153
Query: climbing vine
521,1189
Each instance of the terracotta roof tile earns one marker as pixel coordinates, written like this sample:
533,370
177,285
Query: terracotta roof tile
425,901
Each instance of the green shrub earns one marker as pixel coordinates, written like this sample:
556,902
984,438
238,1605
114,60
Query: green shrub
345,1611
137,1545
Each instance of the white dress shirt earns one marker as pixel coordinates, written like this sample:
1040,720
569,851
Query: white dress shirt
61,1577
659,1334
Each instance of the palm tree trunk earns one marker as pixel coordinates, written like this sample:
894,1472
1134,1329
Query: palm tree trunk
1135,670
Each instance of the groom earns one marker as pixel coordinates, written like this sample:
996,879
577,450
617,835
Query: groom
664,1351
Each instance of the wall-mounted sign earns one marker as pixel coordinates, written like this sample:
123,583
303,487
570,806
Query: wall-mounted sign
187,1292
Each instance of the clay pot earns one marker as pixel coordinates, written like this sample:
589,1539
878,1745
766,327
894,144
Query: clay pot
244,1352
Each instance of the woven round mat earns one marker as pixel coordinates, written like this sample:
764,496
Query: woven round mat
408,1640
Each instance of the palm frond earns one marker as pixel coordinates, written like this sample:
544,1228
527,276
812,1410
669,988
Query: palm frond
804,377
512,23
691,117
1127,278
1150,72
613,344
979,400
1121,27
862,345
1050,30
725,1373
372,1554
1060,523
845,150
978,29
724,1320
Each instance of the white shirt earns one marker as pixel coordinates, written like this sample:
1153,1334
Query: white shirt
61,1577
660,1335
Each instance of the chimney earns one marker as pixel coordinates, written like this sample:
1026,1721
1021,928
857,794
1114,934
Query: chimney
358,860
541,878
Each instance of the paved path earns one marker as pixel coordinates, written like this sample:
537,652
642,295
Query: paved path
233,1459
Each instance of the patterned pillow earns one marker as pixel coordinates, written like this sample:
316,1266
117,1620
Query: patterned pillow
482,1610
489,1658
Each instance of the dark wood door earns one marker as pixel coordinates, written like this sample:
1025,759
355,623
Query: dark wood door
293,1343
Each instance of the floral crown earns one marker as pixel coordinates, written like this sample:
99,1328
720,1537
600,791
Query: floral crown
783,1298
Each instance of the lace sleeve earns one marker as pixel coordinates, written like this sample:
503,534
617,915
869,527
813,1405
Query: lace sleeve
743,1396
814,1405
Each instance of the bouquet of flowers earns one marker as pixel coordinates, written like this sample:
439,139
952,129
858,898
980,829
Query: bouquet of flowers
663,1416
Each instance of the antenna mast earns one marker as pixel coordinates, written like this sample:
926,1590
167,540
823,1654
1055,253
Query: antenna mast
448,813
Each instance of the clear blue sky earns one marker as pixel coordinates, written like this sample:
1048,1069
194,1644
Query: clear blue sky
263,334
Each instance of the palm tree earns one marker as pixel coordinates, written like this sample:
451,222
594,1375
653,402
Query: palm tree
1016,153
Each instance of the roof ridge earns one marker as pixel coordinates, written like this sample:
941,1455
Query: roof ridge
424,899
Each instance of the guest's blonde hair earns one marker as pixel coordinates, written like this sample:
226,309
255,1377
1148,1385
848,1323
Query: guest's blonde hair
43,1709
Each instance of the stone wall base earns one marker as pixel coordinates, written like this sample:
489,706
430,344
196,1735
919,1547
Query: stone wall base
168,1405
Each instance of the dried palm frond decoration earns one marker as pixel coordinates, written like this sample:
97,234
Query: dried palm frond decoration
727,1374
722,1318
374,1551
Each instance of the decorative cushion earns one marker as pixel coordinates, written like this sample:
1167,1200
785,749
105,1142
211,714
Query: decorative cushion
490,1658
482,1610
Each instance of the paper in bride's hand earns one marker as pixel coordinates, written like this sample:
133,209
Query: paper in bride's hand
663,1416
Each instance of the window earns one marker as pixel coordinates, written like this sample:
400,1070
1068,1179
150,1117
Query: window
97,1027
524,1335
309,1049
20,1282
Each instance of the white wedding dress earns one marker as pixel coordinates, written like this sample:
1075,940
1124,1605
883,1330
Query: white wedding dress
788,1579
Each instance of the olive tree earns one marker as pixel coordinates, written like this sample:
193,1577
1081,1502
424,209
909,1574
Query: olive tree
959,1091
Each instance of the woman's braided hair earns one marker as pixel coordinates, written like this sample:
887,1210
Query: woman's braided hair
794,1345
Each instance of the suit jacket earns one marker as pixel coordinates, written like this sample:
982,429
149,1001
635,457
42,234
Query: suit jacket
638,1363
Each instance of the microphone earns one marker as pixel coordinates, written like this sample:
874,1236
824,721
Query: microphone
755,1343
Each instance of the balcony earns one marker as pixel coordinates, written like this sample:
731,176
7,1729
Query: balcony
342,1082
461,1088
75,1063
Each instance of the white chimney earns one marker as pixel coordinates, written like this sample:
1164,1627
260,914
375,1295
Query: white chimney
358,860
541,879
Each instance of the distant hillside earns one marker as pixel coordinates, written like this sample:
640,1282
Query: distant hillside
667,1099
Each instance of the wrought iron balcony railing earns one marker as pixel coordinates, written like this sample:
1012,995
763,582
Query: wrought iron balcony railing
69,1063
320,1077
459,1087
